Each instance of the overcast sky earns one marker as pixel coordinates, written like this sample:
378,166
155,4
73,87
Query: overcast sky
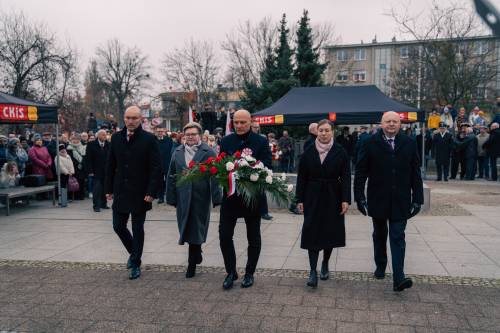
156,26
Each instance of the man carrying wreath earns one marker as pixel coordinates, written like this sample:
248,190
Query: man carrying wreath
233,206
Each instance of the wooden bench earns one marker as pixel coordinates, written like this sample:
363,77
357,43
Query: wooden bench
21,191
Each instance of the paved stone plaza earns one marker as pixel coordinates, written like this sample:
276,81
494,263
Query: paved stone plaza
63,270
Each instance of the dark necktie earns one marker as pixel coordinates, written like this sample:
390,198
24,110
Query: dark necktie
391,143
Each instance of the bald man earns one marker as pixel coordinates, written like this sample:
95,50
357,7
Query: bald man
233,206
390,163
131,180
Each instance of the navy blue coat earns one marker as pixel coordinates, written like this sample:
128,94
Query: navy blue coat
166,146
234,206
394,179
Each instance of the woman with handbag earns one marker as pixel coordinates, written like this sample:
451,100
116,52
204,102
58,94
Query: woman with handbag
64,165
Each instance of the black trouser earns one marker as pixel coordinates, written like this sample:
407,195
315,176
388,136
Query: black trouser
470,168
226,232
194,254
442,171
98,195
264,209
456,161
314,254
163,186
396,230
493,167
134,244
483,166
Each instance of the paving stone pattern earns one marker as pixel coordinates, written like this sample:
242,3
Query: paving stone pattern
72,298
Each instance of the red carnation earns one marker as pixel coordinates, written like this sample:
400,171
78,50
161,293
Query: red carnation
237,154
218,159
203,168
191,164
222,155
213,171
209,160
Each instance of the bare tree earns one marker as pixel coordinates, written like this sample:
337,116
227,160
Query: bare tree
123,70
450,64
33,64
192,67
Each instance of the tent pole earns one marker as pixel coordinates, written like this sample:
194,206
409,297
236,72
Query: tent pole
58,169
423,151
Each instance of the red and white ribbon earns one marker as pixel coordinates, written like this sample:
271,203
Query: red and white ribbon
232,184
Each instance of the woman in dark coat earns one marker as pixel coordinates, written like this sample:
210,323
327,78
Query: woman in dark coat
323,194
192,200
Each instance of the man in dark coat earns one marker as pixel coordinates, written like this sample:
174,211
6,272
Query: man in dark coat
442,145
362,137
132,178
389,160
233,206
166,148
95,161
313,133
346,141
470,154
492,146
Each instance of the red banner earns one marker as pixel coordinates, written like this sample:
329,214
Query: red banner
269,120
408,116
11,112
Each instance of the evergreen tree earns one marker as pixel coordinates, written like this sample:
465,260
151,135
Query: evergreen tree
309,70
284,68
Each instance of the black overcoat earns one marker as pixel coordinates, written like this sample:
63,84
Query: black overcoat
394,179
95,158
322,188
492,145
166,149
442,146
132,170
234,206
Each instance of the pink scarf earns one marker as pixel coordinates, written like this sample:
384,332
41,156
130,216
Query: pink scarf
323,148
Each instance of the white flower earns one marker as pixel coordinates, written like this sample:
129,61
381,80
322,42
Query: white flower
269,179
269,172
229,166
242,163
249,158
283,176
259,165
289,188
254,177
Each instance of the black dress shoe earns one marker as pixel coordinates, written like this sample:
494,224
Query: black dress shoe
97,210
199,260
129,263
247,281
191,271
325,272
267,217
313,279
135,272
405,284
229,280
105,207
379,274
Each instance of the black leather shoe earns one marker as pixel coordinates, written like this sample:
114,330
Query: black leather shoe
129,263
105,207
325,272
135,272
379,274
313,279
97,210
405,284
191,271
229,280
267,217
247,281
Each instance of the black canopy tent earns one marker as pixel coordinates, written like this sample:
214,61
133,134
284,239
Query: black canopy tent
15,110
342,105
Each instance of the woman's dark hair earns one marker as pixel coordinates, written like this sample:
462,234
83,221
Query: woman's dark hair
325,121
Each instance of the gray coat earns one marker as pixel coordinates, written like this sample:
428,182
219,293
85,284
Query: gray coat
192,200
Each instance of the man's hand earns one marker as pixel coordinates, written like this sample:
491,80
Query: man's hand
362,207
345,207
300,207
109,196
148,198
415,209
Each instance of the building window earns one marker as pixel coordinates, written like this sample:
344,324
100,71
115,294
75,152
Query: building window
342,55
359,76
360,54
342,77
481,47
481,92
403,52
383,66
